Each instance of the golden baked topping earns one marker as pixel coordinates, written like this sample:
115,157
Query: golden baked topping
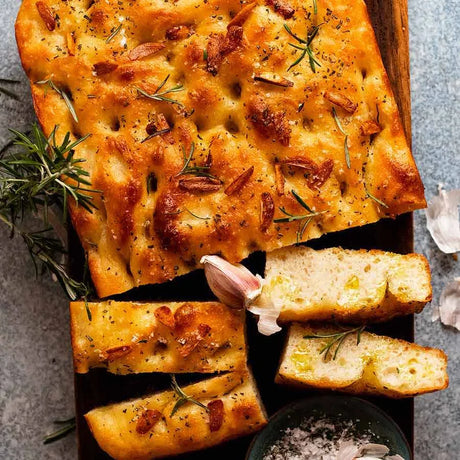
216,414
282,7
47,15
103,68
145,49
147,421
173,337
191,340
341,101
267,211
115,353
239,182
283,82
370,127
271,86
165,316
271,124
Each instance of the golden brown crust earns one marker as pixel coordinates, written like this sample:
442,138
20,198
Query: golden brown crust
127,337
233,410
135,237
371,374
402,284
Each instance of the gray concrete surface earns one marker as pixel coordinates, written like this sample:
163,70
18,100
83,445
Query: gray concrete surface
36,383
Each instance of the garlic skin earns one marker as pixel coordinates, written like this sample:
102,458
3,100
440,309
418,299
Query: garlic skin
268,314
449,305
442,220
233,285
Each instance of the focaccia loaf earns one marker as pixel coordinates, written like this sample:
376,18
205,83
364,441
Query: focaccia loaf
345,285
204,119
127,337
145,429
377,365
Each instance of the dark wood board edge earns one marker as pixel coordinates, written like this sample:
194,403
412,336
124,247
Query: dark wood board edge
390,21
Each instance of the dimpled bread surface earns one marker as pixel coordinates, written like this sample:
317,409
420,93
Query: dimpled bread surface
253,126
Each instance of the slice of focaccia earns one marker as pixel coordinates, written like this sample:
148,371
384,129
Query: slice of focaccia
216,126
375,365
151,427
345,285
127,337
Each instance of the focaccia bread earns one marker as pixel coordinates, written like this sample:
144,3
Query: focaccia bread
147,428
206,120
377,365
127,337
345,285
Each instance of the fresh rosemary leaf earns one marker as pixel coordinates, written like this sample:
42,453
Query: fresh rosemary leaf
372,197
161,96
113,34
156,133
305,47
195,215
315,7
302,227
301,201
345,143
304,219
182,397
35,176
34,180
294,217
67,427
202,171
336,340
61,93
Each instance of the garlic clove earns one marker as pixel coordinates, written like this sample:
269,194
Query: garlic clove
374,449
442,220
268,314
347,451
449,305
233,285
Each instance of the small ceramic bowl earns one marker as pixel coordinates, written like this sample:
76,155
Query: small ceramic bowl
365,416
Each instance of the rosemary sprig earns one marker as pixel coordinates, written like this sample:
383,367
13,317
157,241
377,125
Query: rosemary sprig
305,47
345,142
34,180
113,34
315,7
157,96
61,93
372,197
46,251
67,426
304,219
336,339
196,215
7,92
156,133
182,397
202,171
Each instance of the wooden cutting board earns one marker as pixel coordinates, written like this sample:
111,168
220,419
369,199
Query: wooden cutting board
98,387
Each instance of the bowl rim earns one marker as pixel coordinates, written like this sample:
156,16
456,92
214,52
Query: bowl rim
278,414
